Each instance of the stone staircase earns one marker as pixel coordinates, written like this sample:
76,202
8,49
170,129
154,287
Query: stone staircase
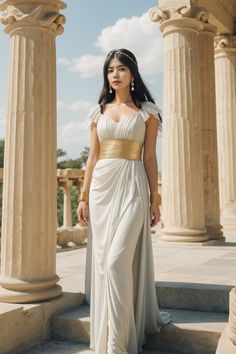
199,312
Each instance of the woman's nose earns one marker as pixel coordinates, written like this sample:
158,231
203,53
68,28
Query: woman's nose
116,73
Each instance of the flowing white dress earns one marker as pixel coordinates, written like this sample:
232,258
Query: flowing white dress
119,276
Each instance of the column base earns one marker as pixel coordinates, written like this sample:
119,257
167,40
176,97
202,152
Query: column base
15,297
15,290
183,235
215,232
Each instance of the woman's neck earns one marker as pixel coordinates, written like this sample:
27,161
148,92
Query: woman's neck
122,97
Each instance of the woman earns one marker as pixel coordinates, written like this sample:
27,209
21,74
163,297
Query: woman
119,279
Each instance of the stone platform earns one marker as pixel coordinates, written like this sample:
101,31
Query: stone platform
188,278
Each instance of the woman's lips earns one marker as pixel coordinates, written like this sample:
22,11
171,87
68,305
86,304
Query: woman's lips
116,82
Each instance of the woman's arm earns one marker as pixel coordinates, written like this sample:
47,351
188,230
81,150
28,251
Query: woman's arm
149,153
150,164
82,210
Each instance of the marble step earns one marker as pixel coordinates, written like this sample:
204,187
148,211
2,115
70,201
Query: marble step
56,347
193,296
192,332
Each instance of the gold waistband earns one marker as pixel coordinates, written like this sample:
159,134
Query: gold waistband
120,148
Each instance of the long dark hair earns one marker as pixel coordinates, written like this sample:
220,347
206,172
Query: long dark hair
140,93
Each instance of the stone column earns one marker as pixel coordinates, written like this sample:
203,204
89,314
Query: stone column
182,172
207,107
28,254
225,65
67,215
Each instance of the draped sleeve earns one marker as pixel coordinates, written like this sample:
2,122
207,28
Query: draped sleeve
94,114
150,109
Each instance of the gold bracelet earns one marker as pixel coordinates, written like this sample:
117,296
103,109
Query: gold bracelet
83,196
155,197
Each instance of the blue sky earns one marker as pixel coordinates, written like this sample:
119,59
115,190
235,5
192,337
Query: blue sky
92,29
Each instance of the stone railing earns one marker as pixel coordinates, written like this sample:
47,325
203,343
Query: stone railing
69,235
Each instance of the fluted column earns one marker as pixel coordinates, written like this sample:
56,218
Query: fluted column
225,65
67,215
207,107
182,172
28,253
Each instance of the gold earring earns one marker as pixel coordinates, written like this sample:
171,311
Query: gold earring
110,89
132,85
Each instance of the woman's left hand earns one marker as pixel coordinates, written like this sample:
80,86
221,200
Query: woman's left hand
154,214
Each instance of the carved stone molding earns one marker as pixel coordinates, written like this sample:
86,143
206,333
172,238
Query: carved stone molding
37,14
158,14
225,41
58,4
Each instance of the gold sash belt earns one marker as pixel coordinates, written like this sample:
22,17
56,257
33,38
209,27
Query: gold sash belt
121,148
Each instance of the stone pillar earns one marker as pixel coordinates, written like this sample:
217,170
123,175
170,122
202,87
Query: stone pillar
28,254
182,172
207,107
67,215
225,65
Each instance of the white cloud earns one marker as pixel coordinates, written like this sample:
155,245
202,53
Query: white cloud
138,34
63,61
78,105
88,65
73,137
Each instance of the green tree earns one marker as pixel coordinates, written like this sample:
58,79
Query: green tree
1,166
61,152
1,153
70,163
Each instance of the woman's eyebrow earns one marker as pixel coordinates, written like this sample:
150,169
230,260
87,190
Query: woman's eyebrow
111,67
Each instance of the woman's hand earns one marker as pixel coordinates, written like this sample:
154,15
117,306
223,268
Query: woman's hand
154,214
82,212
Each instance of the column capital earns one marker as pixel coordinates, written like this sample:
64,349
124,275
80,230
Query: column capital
161,14
225,41
68,184
18,14
180,17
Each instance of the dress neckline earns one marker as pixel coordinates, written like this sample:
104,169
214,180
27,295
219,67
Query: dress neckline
125,118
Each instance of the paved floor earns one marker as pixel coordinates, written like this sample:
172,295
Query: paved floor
55,347
214,264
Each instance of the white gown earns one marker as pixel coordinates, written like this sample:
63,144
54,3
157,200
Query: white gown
119,277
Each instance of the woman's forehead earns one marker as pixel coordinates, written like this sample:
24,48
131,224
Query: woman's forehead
115,62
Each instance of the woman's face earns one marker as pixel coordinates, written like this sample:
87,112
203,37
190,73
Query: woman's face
118,75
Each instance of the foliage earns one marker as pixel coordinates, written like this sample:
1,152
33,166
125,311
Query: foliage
61,152
60,206
72,163
0,204
1,153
